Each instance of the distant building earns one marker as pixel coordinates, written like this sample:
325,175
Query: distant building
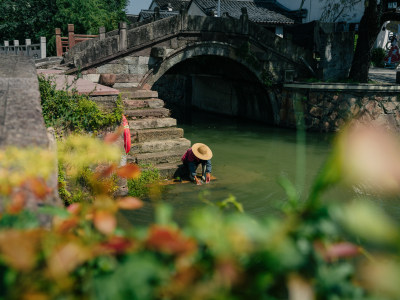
268,13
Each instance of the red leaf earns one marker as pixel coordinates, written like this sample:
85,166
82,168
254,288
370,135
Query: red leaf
116,245
129,171
170,241
337,250
129,203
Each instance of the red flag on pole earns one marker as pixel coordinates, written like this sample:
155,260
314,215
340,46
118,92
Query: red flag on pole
127,135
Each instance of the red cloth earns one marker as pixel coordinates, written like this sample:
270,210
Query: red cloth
189,156
393,55
127,135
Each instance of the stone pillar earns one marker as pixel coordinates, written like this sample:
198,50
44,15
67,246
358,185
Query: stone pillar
43,51
71,36
244,21
123,41
6,45
102,33
183,12
16,46
58,42
27,48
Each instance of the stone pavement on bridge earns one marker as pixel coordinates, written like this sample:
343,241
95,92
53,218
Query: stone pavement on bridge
82,86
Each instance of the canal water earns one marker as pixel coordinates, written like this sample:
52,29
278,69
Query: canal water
248,159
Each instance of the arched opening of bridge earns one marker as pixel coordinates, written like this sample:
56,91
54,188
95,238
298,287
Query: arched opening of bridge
217,85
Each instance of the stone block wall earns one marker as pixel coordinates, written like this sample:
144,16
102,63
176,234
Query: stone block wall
328,107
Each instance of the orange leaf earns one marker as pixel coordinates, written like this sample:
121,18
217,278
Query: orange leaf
105,222
17,203
38,187
129,171
18,248
74,208
169,240
64,225
129,203
104,171
113,137
66,258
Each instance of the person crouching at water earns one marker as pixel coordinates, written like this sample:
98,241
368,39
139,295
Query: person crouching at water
198,154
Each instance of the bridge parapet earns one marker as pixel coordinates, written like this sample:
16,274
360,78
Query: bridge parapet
260,50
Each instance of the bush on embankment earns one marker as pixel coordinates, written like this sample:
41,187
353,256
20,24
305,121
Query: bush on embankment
70,111
313,250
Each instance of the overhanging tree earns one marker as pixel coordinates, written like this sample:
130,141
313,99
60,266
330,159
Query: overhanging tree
375,15
34,18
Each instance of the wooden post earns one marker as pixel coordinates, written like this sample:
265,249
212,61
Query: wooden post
102,33
71,36
58,42
123,42
43,51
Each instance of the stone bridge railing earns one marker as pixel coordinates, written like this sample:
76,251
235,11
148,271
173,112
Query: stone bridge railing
233,31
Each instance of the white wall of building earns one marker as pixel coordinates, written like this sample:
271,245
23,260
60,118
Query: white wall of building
315,8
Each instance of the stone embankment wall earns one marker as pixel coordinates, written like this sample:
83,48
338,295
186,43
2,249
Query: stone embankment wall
21,120
327,107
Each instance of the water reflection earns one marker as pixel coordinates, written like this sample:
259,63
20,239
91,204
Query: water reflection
248,160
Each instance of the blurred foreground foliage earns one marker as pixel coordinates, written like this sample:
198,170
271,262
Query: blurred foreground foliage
313,250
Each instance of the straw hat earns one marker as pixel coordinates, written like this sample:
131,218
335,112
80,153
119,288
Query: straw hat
202,151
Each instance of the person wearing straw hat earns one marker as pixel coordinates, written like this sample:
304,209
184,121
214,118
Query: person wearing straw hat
198,154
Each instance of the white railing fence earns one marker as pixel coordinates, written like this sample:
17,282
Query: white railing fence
35,51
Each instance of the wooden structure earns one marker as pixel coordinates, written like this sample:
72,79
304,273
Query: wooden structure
63,44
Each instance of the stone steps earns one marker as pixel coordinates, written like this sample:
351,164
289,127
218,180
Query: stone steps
156,140
157,158
138,94
147,135
150,123
146,113
179,145
167,171
147,103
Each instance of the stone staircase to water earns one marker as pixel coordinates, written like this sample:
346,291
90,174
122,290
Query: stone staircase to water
155,138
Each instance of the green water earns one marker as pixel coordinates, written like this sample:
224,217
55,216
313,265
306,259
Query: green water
248,158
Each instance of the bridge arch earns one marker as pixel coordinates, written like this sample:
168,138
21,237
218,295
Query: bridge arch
207,48
248,96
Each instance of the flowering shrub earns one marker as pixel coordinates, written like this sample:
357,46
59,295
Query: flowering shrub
313,250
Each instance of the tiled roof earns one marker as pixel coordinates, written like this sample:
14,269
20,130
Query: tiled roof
258,11
175,4
145,14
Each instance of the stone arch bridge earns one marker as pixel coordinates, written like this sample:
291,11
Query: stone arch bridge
142,54
205,52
